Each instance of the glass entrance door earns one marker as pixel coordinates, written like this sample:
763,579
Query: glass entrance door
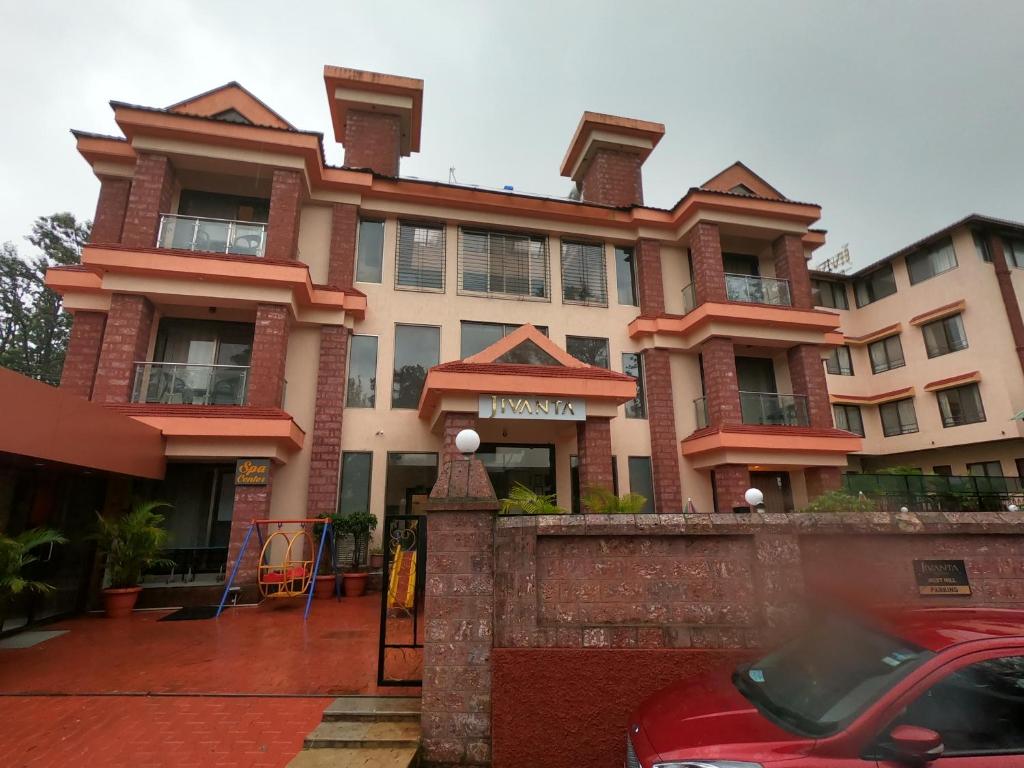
529,465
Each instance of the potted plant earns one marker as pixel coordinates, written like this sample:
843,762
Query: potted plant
358,525
131,543
376,558
16,554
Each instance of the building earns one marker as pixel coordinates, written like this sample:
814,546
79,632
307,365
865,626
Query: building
930,371
252,302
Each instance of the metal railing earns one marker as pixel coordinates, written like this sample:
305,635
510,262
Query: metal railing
757,290
771,408
937,493
700,406
192,233
190,384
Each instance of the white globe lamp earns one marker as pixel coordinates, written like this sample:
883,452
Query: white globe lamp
753,497
904,510
1013,508
467,441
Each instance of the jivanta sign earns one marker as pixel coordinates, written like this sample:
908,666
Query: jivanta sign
532,407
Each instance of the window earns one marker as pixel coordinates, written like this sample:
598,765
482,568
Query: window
370,255
740,264
590,349
362,372
641,480
945,470
356,468
944,336
985,469
977,710
527,352
1014,250
886,354
417,348
874,286
829,294
981,246
584,277
503,264
476,337
574,476
960,405
420,257
633,365
410,476
848,417
898,417
625,276
931,261
839,362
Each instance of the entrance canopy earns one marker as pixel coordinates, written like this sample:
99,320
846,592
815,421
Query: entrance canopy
524,375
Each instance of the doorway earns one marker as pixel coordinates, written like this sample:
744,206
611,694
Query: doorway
529,465
778,494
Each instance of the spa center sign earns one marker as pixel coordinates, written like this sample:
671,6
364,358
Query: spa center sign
532,407
941,577
252,471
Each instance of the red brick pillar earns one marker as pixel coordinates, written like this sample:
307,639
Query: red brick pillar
286,194
650,286
344,228
110,210
125,342
83,353
459,615
1008,294
453,424
661,420
807,374
791,265
374,141
252,502
269,353
594,449
721,385
708,268
613,178
325,459
152,192
731,482
821,479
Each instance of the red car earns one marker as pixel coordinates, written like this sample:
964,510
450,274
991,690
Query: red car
929,687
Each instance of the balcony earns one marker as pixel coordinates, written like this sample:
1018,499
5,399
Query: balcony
190,384
762,409
758,290
191,233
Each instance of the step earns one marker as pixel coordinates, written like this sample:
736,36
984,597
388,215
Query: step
374,709
357,757
363,734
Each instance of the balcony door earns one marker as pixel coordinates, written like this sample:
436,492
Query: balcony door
756,378
200,362
740,264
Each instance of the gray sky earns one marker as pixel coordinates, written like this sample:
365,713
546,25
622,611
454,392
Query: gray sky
897,117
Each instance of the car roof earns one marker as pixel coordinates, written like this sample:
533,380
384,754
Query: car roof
937,629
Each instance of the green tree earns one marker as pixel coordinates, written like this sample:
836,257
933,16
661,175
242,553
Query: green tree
33,326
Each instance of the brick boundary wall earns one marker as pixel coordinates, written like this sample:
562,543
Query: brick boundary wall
83,355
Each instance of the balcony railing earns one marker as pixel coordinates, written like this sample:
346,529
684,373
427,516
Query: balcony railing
700,406
758,290
937,493
689,298
190,233
189,384
771,408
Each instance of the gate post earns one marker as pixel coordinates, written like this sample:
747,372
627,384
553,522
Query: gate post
459,615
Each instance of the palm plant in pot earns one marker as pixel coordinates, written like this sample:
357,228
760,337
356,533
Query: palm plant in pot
131,543
358,525
16,555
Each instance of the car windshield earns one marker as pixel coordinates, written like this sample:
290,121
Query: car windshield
818,683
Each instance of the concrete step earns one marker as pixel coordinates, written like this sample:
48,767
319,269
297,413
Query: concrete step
357,757
373,709
334,735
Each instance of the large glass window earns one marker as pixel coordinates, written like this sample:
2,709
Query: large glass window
371,251
417,349
898,417
874,286
985,469
420,257
529,465
1014,249
886,354
641,480
584,277
944,336
356,471
960,405
410,478
981,246
930,262
477,337
625,276
839,362
848,417
503,264
589,349
633,365
829,294
362,372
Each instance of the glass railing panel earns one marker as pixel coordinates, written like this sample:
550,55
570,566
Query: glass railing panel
689,298
700,406
757,290
190,384
773,409
191,233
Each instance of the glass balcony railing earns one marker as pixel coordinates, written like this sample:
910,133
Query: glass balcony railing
758,290
700,406
190,233
189,384
689,298
771,408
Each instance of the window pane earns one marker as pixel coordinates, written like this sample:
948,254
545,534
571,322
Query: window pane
875,286
625,276
898,418
584,277
371,251
589,349
632,365
355,482
417,348
981,246
362,373
477,337
961,405
641,481
420,256
527,353
410,477
503,264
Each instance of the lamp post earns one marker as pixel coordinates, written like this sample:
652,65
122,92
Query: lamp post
754,498
467,442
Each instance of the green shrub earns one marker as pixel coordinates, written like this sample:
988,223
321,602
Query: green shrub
133,542
522,500
16,555
840,501
604,502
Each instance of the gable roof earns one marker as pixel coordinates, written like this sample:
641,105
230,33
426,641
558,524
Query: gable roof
231,96
740,175
525,332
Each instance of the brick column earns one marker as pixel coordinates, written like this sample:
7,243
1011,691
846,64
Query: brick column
708,268
252,502
325,459
125,342
613,178
269,352
731,482
152,191
110,210
459,615
821,479
286,193
83,353
373,140
1008,295
721,385
791,265
594,450
453,424
344,230
661,420
807,374
650,285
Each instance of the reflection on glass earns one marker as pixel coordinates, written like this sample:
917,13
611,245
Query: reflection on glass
417,348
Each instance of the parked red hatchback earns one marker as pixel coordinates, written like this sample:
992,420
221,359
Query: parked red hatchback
940,687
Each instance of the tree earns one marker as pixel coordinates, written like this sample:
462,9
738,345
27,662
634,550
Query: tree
33,326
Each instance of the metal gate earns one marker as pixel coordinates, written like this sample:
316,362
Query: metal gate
400,660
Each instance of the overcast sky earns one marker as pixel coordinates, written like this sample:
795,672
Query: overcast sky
897,117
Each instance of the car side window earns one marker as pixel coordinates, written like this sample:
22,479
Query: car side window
979,709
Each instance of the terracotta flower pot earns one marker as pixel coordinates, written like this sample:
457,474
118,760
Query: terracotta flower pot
354,584
377,561
324,589
119,603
